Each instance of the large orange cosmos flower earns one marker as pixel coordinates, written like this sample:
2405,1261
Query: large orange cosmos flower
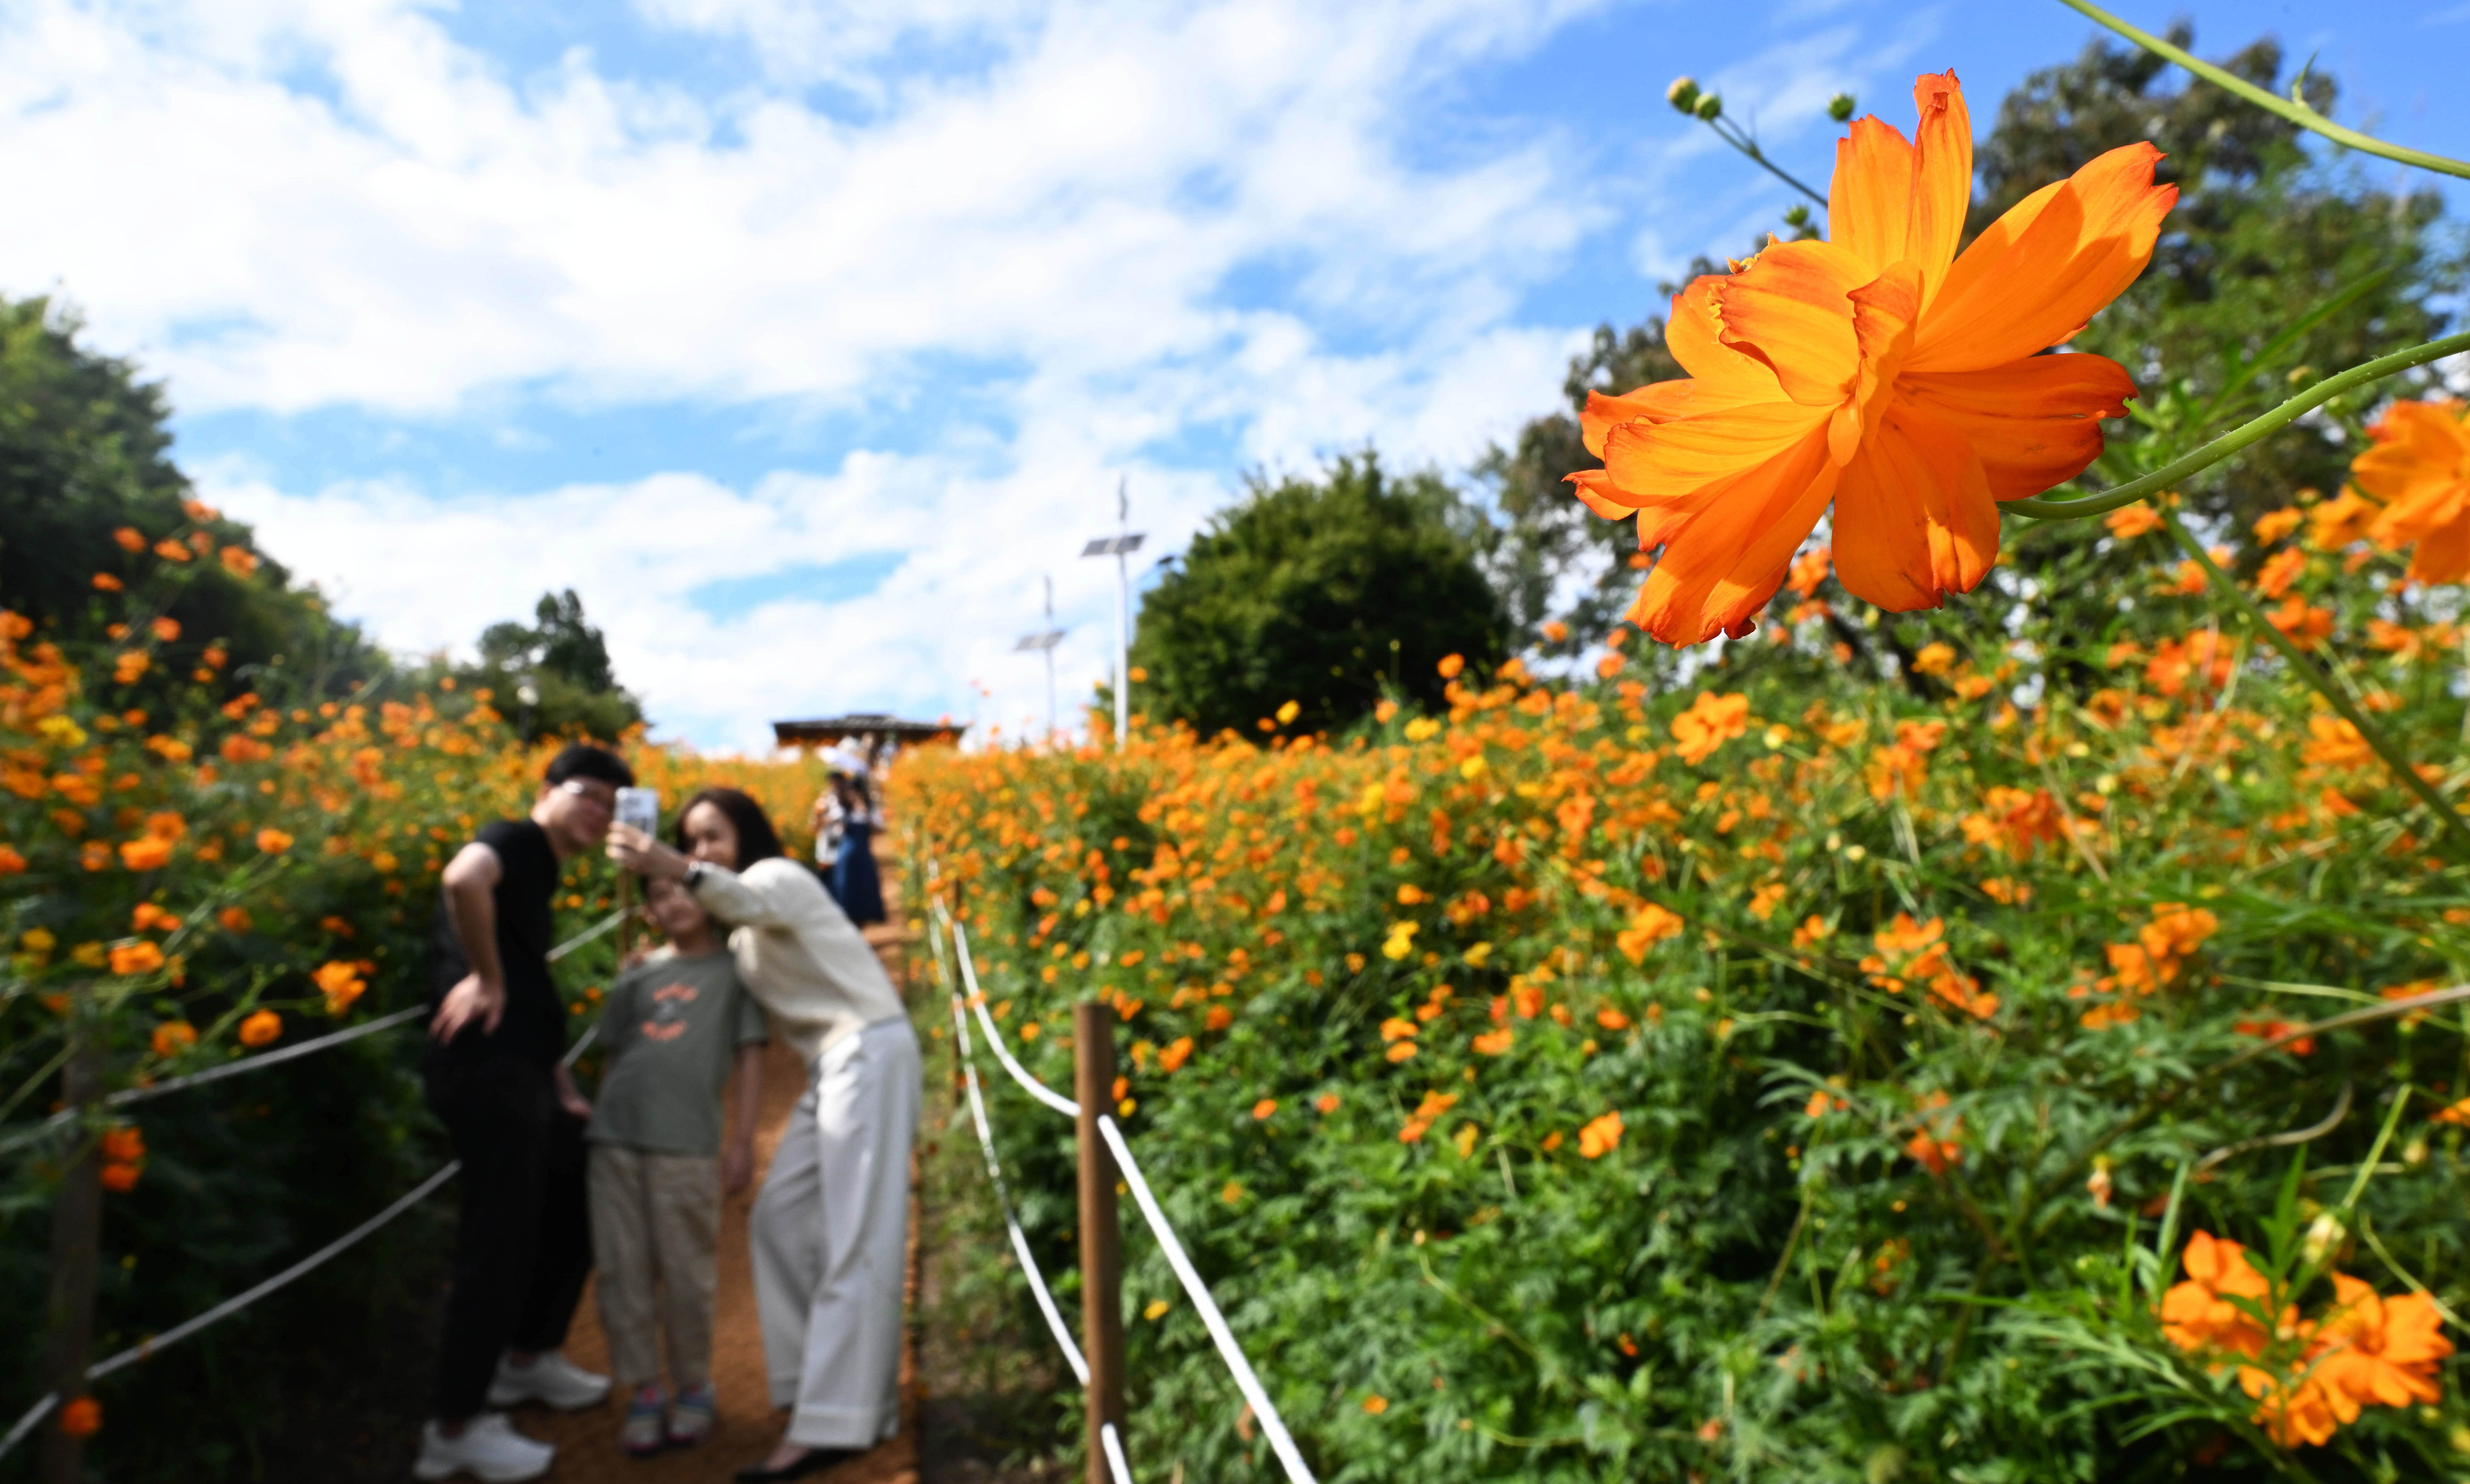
2384,1350
2419,466
1878,371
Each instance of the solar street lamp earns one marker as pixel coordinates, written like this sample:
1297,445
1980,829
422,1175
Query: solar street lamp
1044,641
1120,546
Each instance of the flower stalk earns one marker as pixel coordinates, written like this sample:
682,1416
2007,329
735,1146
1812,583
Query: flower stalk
1708,108
2289,108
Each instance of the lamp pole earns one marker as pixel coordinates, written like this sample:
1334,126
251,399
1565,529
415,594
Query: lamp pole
1044,641
1120,546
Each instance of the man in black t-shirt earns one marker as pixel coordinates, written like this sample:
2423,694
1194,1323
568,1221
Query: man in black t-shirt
494,1077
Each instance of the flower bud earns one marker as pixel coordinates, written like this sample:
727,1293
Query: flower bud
1683,94
1796,216
2324,1235
1708,107
1840,107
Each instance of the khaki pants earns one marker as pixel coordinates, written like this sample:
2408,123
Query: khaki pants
654,1226
830,1241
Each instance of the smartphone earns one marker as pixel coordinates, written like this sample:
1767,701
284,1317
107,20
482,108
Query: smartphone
640,807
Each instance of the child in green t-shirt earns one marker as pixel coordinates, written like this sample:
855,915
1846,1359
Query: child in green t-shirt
673,1027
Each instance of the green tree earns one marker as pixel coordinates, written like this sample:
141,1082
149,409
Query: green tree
1322,593
1551,540
84,453
564,661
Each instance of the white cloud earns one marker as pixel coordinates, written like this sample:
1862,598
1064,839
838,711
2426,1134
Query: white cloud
436,229
326,205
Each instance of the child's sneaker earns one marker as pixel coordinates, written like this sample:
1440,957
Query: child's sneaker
690,1420
552,1379
640,1435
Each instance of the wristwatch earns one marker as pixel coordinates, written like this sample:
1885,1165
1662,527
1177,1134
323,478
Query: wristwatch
694,875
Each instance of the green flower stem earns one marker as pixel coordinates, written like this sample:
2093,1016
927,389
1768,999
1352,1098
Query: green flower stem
2240,437
1740,140
2298,113
2322,684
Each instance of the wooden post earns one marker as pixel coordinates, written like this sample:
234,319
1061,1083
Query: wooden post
76,1234
1102,1245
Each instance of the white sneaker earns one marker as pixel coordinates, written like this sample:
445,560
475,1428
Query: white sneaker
490,1449
550,1379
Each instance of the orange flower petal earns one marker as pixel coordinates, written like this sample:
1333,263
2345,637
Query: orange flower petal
1725,558
1670,464
1883,311
2045,267
2418,448
1869,203
1914,519
2033,421
1942,191
1788,310
1694,336
1662,402
2417,464
1595,487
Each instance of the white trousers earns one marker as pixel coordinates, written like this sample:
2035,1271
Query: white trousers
831,1236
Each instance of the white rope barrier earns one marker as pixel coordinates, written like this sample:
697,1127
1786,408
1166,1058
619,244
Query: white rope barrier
1011,1223
1272,1426
128,1095
1116,1463
599,929
978,1002
145,1350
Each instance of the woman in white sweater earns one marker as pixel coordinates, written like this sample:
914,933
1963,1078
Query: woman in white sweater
830,1229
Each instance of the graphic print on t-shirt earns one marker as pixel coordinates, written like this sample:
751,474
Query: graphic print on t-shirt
668,1019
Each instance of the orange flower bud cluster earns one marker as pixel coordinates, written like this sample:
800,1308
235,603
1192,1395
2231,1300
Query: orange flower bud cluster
1911,953
124,1158
2152,963
1425,1114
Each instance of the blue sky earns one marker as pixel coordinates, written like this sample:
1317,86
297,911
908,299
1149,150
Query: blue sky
802,339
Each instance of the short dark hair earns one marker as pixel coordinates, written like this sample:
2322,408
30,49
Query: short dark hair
582,760
756,839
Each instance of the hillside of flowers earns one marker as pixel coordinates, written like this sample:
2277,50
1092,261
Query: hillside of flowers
2031,1065
198,867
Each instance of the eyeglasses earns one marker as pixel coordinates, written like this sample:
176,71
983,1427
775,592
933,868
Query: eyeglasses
605,800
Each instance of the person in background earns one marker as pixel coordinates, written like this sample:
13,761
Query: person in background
829,1230
673,1025
494,1077
856,883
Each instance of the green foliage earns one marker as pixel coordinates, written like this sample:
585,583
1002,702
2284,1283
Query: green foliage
84,453
1761,1279
1322,593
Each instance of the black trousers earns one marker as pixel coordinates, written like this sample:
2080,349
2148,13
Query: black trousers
523,1244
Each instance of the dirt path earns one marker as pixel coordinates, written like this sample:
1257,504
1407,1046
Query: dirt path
587,1442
